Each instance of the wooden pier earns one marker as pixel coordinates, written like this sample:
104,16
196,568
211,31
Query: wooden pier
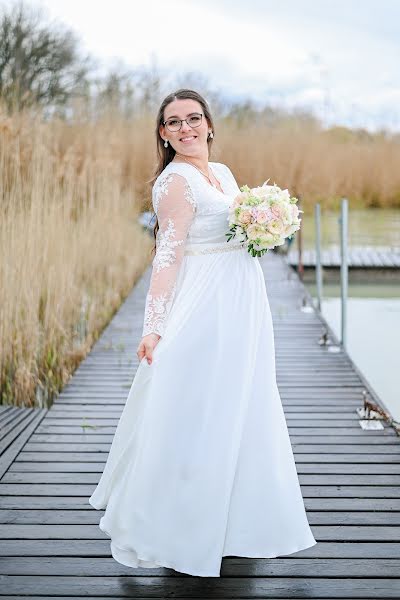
51,545
365,257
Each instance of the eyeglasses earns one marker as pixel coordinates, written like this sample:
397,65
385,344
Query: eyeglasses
175,124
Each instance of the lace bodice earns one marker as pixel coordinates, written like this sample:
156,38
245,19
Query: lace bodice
190,212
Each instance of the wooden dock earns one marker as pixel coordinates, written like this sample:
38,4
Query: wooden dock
366,257
51,546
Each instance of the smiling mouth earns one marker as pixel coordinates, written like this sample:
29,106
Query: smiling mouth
185,141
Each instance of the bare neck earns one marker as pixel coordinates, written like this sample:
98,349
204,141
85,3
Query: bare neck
200,162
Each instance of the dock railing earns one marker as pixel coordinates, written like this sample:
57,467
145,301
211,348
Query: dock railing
344,276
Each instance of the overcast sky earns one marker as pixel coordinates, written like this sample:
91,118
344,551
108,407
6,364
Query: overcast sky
339,58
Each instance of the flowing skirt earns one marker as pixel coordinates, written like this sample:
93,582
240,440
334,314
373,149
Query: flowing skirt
201,465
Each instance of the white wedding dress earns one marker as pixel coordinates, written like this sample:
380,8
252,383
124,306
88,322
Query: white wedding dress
201,465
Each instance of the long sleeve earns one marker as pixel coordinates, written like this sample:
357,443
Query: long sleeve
175,206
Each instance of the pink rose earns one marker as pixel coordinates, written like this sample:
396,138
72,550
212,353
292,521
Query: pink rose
277,211
262,216
240,199
245,217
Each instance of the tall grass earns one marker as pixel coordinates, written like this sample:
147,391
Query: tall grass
70,245
321,165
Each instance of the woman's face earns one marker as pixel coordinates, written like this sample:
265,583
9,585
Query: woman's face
183,109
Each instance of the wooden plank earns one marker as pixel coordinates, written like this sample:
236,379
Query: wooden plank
74,478
85,517
12,429
297,435
309,491
222,587
102,548
109,425
92,532
280,567
51,461
7,415
350,478
358,256
24,430
295,427
349,453
81,503
99,433
367,468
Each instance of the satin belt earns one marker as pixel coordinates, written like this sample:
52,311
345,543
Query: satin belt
194,249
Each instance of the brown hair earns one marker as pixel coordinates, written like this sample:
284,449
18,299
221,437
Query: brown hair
165,155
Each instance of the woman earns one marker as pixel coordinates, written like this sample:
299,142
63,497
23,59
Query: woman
201,464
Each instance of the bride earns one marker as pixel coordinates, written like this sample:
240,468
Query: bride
201,465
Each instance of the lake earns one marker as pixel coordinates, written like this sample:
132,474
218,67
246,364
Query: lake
373,329
373,309
367,227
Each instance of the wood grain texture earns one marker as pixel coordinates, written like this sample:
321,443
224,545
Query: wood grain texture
51,546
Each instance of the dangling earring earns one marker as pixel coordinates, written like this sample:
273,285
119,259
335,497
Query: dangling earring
211,135
165,143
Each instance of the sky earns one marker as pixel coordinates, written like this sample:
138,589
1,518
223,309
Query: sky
337,58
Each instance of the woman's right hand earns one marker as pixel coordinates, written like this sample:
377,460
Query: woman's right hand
147,345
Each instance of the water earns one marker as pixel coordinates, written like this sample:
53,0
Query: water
373,309
367,227
373,333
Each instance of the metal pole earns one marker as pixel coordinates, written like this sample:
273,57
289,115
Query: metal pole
318,265
300,266
343,220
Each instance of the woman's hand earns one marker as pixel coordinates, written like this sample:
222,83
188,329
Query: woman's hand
147,345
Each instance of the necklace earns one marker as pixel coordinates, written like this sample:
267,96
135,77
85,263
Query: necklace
202,172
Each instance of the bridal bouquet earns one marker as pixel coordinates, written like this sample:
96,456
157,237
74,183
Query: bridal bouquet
264,216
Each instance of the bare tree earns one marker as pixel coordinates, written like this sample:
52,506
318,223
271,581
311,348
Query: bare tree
39,62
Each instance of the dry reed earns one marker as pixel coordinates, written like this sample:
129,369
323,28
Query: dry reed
71,248
321,165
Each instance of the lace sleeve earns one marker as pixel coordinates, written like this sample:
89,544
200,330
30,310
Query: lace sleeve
175,206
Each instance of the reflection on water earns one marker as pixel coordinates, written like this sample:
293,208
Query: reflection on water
369,227
373,332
